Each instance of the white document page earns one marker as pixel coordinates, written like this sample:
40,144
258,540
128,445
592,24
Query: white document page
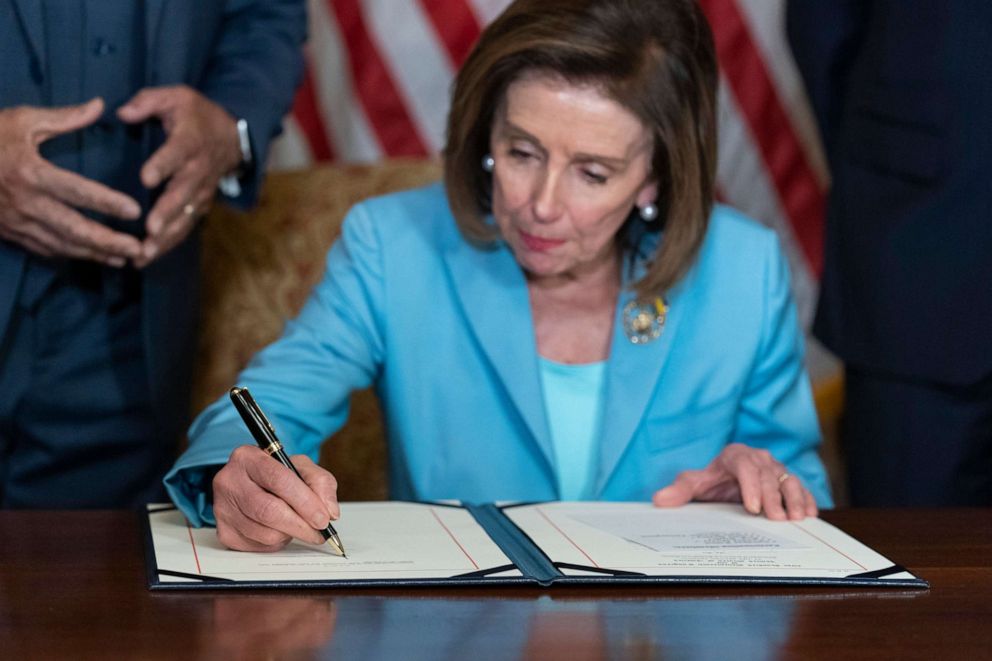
389,540
699,539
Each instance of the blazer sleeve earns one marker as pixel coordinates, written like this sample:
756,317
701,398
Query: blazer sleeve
253,71
776,411
303,381
825,38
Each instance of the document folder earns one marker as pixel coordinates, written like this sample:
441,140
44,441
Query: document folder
537,544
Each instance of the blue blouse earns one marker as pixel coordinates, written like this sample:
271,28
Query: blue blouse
573,400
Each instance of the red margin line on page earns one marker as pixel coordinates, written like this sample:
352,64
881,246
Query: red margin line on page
441,523
570,541
829,545
196,557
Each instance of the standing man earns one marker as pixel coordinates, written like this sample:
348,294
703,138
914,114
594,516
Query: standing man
903,94
119,120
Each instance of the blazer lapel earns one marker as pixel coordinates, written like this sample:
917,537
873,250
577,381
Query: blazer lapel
32,22
633,374
493,294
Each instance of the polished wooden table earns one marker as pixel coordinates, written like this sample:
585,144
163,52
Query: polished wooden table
72,585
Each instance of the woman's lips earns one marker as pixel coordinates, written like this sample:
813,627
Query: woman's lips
538,244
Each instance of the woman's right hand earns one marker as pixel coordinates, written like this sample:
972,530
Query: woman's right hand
260,505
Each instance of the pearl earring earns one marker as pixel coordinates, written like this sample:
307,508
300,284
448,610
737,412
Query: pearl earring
488,162
648,212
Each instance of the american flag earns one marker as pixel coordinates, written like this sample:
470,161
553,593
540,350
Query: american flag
377,86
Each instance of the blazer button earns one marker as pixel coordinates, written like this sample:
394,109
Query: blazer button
102,47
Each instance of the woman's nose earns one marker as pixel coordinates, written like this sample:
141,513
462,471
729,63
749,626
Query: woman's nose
547,198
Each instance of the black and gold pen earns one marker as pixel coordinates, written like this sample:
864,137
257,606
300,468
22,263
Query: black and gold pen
265,435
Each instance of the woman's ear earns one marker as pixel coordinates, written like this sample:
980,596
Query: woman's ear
648,194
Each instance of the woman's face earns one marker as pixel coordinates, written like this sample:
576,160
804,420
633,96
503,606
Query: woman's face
571,163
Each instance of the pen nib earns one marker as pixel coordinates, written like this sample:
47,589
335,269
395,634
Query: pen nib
337,546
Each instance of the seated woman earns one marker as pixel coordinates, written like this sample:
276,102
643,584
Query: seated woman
568,317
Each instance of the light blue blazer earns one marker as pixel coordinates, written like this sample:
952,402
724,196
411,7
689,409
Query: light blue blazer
443,331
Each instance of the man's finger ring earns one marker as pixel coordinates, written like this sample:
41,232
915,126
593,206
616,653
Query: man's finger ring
189,209
783,477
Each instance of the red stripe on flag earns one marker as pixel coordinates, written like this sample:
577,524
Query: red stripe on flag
456,25
306,110
745,72
376,89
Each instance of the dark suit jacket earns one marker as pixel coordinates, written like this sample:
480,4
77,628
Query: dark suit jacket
903,93
244,55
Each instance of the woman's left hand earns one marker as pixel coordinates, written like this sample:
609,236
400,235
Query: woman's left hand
746,475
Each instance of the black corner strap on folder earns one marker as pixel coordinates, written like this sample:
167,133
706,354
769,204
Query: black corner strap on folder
483,573
598,570
195,577
881,573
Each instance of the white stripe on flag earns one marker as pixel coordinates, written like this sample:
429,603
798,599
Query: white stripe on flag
766,21
487,10
411,50
348,128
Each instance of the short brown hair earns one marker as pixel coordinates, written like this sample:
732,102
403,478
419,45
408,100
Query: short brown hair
654,57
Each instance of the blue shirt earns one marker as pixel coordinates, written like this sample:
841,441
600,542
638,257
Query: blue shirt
573,400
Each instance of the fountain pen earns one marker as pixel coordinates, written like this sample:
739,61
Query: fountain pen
265,435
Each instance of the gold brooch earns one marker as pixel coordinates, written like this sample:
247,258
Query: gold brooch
643,322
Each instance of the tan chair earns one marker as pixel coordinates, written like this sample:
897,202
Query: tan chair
258,269
828,394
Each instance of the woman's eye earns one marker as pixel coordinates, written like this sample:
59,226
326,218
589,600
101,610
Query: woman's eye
519,154
594,177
